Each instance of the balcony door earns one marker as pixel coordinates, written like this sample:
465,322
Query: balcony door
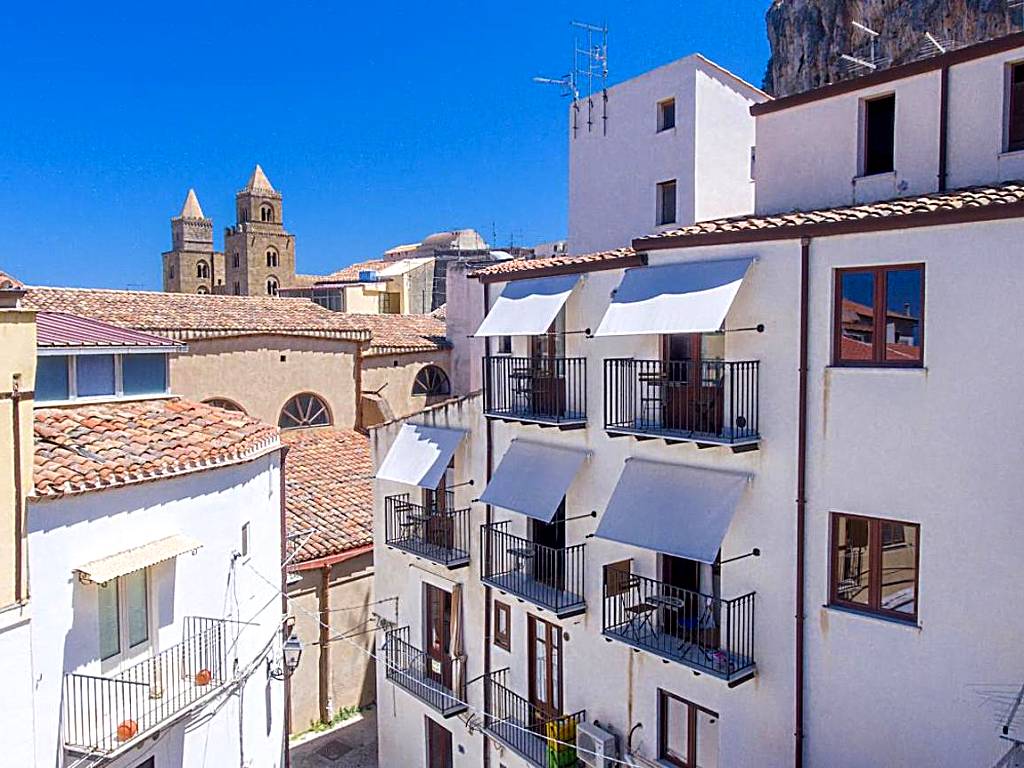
437,628
124,621
440,528
547,370
439,745
544,653
692,611
549,555
693,382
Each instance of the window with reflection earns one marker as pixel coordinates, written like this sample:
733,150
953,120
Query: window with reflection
879,314
687,733
875,565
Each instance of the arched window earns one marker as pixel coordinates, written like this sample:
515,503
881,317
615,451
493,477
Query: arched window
305,410
431,381
234,261
266,212
271,257
272,286
170,272
223,402
202,270
202,289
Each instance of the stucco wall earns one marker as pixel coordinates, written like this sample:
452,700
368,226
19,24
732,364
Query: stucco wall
808,156
351,599
210,506
393,376
463,315
249,370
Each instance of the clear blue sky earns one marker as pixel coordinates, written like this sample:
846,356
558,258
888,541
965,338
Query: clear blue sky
379,121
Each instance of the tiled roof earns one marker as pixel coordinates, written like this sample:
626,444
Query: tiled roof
57,329
329,480
187,315
980,202
441,313
524,267
93,447
405,333
9,283
350,274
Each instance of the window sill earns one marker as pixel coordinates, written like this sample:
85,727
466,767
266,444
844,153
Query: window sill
1012,154
875,176
919,369
911,624
100,399
661,131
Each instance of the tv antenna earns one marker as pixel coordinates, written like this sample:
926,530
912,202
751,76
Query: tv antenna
868,60
588,75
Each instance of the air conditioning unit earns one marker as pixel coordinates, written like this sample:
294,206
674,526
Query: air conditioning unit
596,747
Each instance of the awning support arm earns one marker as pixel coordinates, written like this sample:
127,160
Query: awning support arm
755,552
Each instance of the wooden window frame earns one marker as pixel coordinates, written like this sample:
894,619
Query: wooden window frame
503,639
874,607
1014,143
692,709
878,360
553,638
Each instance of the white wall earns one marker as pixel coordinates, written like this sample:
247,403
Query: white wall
808,155
210,506
18,729
613,177
463,316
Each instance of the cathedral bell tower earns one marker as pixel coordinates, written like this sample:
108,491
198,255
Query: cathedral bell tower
259,254
192,266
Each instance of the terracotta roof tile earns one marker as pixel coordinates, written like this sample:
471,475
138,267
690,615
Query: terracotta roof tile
522,267
795,223
329,480
9,282
405,333
350,274
91,447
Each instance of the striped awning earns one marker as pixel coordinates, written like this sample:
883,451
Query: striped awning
103,570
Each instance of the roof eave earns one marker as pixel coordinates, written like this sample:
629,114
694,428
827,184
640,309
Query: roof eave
623,262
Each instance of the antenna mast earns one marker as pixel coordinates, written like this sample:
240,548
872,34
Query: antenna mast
589,73
868,60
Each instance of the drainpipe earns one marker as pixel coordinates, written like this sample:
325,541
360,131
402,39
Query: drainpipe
284,608
943,125
801,501
325,641
358,374
489,517
19,513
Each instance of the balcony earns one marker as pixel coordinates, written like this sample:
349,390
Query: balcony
439,683
440,535
519,725
711,402
549,577
701,631
537,390
105,715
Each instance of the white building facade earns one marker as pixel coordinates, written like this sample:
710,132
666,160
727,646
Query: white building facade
720,528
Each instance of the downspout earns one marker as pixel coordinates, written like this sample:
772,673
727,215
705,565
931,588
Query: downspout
358,375
489,518
325,642
943,125
19,513
801,501
285,631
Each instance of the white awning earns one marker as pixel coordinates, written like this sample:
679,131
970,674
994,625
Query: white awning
420,455
677,510
532,479
527,307
692,297
103,570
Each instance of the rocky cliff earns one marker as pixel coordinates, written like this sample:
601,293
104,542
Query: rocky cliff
807,36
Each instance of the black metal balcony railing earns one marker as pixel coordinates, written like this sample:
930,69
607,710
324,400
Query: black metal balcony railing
708,401
439,682
538,737
102,715
548,577
701,631
438,532
550,390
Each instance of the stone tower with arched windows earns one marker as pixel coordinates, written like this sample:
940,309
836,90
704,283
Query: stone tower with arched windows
192,266
259,255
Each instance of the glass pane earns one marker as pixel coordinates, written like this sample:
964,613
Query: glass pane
677,729
857,315
556,674
903,314
540,649
852,560
707,740
138,608
144,374
52,378
899,567
712,346
94,375
110,635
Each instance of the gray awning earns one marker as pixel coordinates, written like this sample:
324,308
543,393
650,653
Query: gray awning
420,455
527,307
532,479
677,510
691,297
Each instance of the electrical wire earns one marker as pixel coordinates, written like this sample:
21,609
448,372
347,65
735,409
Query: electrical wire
515,726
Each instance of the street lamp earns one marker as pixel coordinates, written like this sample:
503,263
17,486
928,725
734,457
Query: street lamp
290,655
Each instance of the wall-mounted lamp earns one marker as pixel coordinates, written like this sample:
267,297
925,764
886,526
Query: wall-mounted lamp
290,655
